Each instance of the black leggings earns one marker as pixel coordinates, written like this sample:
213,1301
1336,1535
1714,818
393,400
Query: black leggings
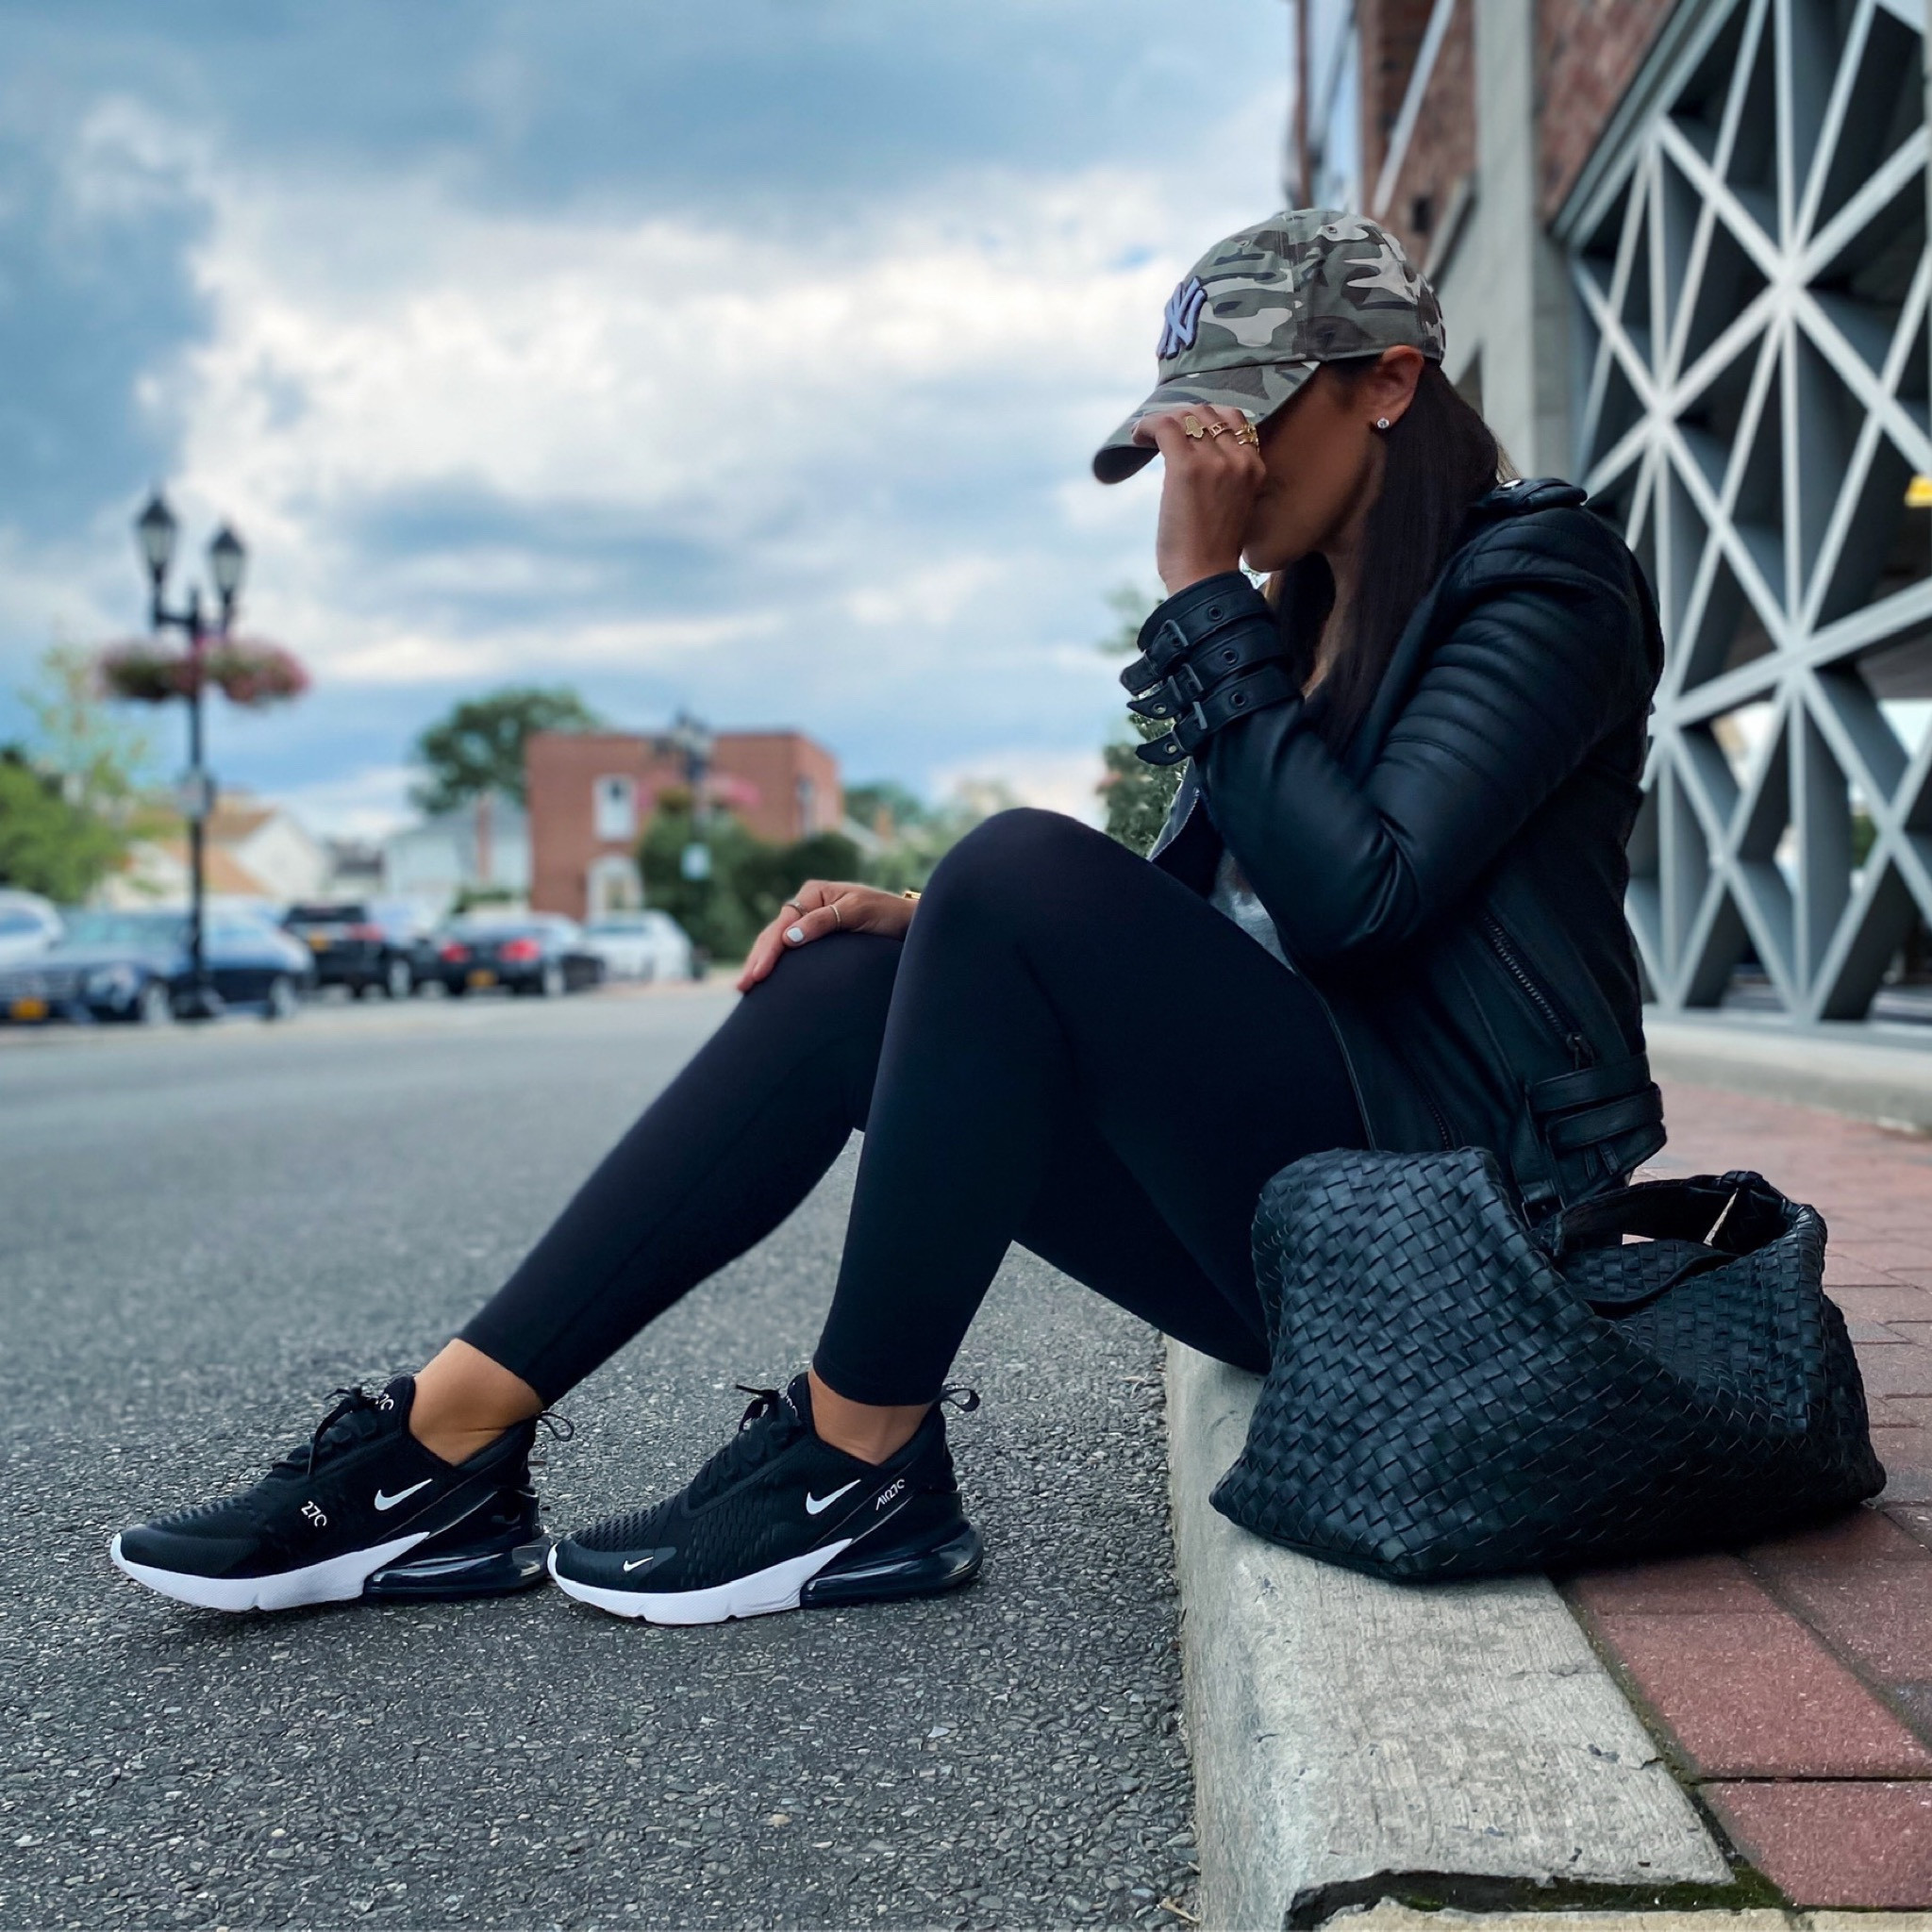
1070,1050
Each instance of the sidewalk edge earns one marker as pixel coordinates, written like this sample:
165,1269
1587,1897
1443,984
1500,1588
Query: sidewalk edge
1880,1078
1345,1729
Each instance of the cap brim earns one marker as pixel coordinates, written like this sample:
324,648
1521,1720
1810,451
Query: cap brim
1257,389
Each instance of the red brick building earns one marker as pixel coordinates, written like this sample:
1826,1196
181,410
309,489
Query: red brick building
592,792
1464,125
1417,105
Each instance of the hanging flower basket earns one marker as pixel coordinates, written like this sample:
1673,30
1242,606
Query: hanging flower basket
142,673
246,670
254,673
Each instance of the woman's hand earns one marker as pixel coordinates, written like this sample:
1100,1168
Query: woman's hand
1208,494
818,908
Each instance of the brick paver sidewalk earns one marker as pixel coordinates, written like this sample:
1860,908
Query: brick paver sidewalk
1792,1684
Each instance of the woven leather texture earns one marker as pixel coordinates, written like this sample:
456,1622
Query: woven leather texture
1447,1400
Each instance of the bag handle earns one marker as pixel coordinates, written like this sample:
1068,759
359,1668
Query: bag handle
1732,1213
1616,1306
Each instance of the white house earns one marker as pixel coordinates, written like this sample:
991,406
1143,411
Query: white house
255,851
480,847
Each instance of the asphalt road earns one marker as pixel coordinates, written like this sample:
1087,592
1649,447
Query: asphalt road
201,1233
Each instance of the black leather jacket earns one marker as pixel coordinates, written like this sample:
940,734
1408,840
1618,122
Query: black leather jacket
1452,883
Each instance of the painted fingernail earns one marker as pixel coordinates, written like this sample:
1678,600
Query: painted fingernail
794,934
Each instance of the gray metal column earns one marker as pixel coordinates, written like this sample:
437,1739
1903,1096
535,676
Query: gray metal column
1524,312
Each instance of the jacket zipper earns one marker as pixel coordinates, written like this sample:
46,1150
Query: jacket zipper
1443,1137
1443,1133
1566,1029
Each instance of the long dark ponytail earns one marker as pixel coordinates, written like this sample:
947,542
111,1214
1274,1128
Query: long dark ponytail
1440,458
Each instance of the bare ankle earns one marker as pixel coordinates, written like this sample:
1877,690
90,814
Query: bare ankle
464,1402
872,1432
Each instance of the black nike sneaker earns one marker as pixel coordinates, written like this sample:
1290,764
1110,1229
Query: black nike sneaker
779,1521
362,1509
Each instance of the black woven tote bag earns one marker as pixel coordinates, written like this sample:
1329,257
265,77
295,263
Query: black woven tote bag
1454,1396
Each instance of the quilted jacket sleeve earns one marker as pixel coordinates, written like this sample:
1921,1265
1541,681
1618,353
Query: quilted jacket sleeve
1541,651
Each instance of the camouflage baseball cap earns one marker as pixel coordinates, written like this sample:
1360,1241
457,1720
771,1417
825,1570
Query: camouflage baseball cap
1256,313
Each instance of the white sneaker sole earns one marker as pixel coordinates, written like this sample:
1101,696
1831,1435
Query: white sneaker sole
336,1581
760,1594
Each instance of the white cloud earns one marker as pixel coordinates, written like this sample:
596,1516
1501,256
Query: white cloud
925,594
867,442
397,656
379,338
1063,780
363,804
657,365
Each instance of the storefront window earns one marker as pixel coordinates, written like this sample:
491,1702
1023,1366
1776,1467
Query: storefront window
616,808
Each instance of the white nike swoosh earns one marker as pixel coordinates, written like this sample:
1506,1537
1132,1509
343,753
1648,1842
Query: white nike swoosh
815,1504
641,1562
383,1502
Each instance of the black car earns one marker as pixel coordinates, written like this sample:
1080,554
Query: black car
368,945
537,954
135,967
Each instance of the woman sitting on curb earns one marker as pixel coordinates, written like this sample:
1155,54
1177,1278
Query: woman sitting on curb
1387,911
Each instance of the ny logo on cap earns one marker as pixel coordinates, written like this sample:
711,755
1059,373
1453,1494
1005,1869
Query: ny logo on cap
1181,318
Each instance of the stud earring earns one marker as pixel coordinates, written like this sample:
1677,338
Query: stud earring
1381,422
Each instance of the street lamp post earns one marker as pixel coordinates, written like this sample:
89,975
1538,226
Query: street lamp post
694,741
227,560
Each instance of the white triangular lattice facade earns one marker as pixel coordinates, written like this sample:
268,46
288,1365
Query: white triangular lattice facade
1751,275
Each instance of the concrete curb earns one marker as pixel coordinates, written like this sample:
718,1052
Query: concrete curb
1871,1071
1346,1730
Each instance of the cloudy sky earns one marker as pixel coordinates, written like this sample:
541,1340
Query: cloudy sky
745,357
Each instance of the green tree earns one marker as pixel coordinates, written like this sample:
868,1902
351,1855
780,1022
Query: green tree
749,879
709,909
480,746
764,876
99,760
910,858
71,798
48,843
901,810
1136,794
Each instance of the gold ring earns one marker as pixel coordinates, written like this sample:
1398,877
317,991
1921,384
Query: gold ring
836,920
1249,433
1217,429
1193,425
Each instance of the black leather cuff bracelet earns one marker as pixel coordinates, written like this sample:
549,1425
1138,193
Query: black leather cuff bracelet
1190,619
1250,690
1207,667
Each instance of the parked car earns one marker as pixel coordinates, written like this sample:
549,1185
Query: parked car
368,945
532,952
29,924
640,945
135,967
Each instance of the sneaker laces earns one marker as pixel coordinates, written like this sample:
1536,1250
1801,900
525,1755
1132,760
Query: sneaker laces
351,1405
767,1425
560,1429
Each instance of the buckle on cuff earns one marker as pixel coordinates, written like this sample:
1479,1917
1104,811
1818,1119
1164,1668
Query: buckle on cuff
1184,687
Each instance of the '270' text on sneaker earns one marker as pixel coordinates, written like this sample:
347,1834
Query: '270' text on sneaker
360,1509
